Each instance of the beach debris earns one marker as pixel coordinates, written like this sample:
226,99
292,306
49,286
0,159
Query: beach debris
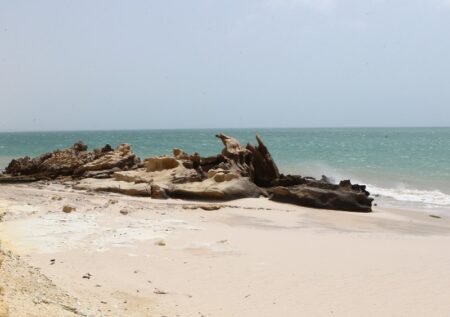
52,261
68,208
87,276
124,211
435,216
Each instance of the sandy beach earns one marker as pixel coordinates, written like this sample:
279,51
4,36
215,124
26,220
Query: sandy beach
275,158
117,255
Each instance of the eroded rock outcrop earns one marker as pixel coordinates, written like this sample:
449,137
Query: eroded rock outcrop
236,172
58,163
109,161
187,182
75,161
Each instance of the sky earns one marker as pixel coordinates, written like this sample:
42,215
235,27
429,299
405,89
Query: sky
101,65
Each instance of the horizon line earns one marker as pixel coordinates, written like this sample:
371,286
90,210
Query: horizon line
221,128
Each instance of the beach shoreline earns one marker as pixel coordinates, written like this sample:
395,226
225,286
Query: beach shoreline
396,163
122,255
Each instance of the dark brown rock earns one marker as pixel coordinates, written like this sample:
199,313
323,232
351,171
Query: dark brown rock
60,162
315,197
289,180
264,168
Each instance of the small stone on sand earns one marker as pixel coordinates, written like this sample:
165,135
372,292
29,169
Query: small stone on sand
159,292
68,209
161,243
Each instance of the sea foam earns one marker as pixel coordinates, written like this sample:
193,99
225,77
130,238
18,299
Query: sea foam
430,198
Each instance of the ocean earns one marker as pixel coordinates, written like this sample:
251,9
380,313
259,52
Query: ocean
402,167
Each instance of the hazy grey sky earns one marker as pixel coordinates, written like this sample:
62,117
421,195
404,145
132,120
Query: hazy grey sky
68,65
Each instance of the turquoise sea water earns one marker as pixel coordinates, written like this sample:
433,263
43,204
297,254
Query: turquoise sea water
401,165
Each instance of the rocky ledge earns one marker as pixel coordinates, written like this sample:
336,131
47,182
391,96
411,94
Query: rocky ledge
237,172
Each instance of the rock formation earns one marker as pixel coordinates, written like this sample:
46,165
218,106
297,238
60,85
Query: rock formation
339,199
237,172
75,161
265,169
109,161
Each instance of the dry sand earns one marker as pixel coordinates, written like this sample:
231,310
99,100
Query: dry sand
125,256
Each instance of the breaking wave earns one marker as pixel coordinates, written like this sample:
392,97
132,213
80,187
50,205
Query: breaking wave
430,198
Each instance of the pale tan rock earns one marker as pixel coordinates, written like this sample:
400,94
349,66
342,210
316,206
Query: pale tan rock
224,177
158,192
232,148
155,164
219,175
177,175
109,185
210,189
136,176
124,149
179,154
183,182
213,172
122,158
